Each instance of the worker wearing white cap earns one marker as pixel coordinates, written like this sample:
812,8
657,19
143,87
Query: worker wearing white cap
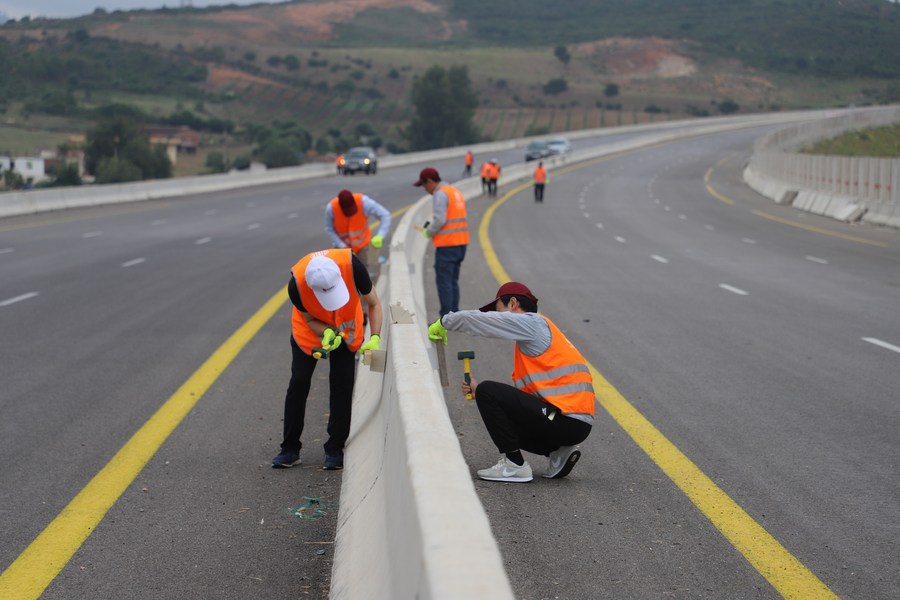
326,288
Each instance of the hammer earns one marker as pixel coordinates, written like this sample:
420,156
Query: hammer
318,353
467,371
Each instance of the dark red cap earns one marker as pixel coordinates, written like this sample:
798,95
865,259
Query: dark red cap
510,288
427,173
347,202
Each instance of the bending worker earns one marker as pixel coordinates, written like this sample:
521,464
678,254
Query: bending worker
326,289
449,232
549,409
347,224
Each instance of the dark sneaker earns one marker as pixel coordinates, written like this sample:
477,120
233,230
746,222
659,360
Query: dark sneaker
333,462
286,460
562,461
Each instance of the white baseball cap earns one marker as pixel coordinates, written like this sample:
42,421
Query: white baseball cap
324,277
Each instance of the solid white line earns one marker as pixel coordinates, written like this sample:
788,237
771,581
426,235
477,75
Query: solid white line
18,298
733,289
658,258
253,226
620,239
821,261
136,261
878,342
205,240
6,250
748,241
92,234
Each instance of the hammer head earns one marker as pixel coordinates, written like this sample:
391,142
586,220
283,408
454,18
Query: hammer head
318,353
466,354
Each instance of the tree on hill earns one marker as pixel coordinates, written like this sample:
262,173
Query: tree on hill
444,105
117,151
562,53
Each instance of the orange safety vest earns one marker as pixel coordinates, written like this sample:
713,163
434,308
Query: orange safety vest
347,320
493,171
354,230
540,175
469,159
455,231
485,170
559,376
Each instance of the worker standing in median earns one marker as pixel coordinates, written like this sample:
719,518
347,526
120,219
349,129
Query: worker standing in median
549,409
493,175
540,178
326,288
469,160
347,224
484,171
449,232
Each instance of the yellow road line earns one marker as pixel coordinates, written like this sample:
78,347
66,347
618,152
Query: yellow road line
771,217
772,560
34,569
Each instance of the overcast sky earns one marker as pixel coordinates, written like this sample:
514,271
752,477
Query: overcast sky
16,9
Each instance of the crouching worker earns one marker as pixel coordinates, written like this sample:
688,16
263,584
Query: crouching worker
549,409
326,323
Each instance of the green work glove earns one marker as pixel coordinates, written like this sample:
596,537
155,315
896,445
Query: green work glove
437,331
330,340
377,241
374,343
425,233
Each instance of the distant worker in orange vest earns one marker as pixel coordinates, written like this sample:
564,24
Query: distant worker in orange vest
493,176
540,178
326,289
485,169
347,224
449,232
469,160
549,408
339,161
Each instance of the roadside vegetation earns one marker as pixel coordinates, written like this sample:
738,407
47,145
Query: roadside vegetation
877,142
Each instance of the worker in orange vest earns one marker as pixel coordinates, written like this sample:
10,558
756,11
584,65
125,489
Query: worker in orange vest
449,232
540,178
493,175
549,408
326,289
347,224
485,169
339,161
469,160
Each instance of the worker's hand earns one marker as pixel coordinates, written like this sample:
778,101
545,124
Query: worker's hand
330,339
437,331
374,343
469,388
377,241
425,233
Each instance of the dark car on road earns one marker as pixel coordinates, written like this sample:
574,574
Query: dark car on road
536,150
361,158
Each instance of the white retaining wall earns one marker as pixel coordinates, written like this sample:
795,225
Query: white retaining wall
842,187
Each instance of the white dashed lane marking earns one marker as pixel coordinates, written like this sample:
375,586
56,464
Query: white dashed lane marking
815,259
18,298
748,241
253,226
733,289
599,225
620,239
659,258
92,234
710,227
136,261
6,250
159,222
882,344
205,240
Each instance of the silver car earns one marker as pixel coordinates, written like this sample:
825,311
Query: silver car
559,145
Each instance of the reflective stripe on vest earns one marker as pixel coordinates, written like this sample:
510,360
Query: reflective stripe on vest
560,375
455,231
353,230
347,320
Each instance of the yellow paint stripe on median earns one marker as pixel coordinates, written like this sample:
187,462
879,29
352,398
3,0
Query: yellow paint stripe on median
772,560
30,574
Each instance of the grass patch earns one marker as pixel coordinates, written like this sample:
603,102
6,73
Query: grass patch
877,142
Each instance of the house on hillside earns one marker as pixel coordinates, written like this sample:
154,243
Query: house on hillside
175,139
31,168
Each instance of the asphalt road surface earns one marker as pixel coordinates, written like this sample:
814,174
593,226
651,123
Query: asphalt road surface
764,351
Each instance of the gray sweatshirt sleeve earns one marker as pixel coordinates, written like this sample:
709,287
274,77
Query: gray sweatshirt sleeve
530,330
336,241
373,209
439,211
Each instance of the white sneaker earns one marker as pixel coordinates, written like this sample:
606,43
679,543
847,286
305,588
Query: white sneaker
562,461
507,470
